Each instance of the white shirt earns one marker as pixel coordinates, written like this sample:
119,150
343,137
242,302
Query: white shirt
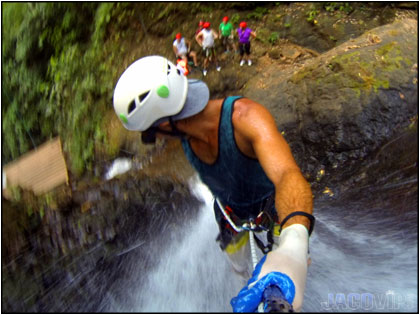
181,46
208,38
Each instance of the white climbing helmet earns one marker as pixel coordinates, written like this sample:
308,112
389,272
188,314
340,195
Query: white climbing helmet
151,88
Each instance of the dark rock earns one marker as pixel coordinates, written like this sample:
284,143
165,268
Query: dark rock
58,255
345,103
332,23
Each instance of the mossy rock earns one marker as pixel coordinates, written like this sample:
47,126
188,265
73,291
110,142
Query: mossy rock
343,104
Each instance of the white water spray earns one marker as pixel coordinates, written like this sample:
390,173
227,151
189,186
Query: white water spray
359,270
368,267
193,275
118,167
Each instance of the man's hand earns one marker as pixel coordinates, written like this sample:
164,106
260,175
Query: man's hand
286,267
255,292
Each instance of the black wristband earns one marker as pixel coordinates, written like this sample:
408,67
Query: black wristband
309,216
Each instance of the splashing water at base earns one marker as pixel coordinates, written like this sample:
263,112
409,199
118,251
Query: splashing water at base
369,267
193,274
360,263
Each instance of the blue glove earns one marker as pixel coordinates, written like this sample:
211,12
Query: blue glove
250,297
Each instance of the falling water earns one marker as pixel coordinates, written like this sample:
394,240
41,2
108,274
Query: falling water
193,274
361,262
370,266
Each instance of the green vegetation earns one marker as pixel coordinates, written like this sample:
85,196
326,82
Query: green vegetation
257,14
264,35
340,6
333,7
274,37
57,76
235,19
359,75
311,16
60,61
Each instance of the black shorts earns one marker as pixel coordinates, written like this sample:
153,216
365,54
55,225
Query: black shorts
226,40
209,51
244,48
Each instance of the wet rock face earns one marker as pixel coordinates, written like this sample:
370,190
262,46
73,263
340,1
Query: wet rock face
345,103
322,26
53,257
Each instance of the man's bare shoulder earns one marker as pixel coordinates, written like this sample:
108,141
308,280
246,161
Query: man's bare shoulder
246,109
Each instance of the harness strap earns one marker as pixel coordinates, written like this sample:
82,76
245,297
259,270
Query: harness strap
309,216
261,246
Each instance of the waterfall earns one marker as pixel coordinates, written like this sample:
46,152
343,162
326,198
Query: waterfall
370,267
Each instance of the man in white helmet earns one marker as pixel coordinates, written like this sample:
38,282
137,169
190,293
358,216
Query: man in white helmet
235,146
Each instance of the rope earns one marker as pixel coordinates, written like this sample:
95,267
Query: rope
253,250
251,226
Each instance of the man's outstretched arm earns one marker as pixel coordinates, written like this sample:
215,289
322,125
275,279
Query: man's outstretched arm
292,193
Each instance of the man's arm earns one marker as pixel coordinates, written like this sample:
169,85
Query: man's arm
188,43
199,39
261,138
175,50
257,136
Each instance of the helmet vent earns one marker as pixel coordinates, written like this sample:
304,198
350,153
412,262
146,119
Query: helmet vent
169,68
131,107
143,96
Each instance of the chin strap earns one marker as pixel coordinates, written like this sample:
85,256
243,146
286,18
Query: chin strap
309,216
175,131
149,136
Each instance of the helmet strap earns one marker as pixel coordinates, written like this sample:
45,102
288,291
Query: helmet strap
175,131
149,136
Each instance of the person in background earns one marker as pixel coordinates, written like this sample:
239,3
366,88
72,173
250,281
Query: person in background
206,40
239,153
244,34
182,66
182,49
200,27
226,34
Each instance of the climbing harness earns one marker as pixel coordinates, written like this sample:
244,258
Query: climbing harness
251,226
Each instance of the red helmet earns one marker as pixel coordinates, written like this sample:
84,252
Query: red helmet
206,25
201,23
178,36
242,25
225,19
